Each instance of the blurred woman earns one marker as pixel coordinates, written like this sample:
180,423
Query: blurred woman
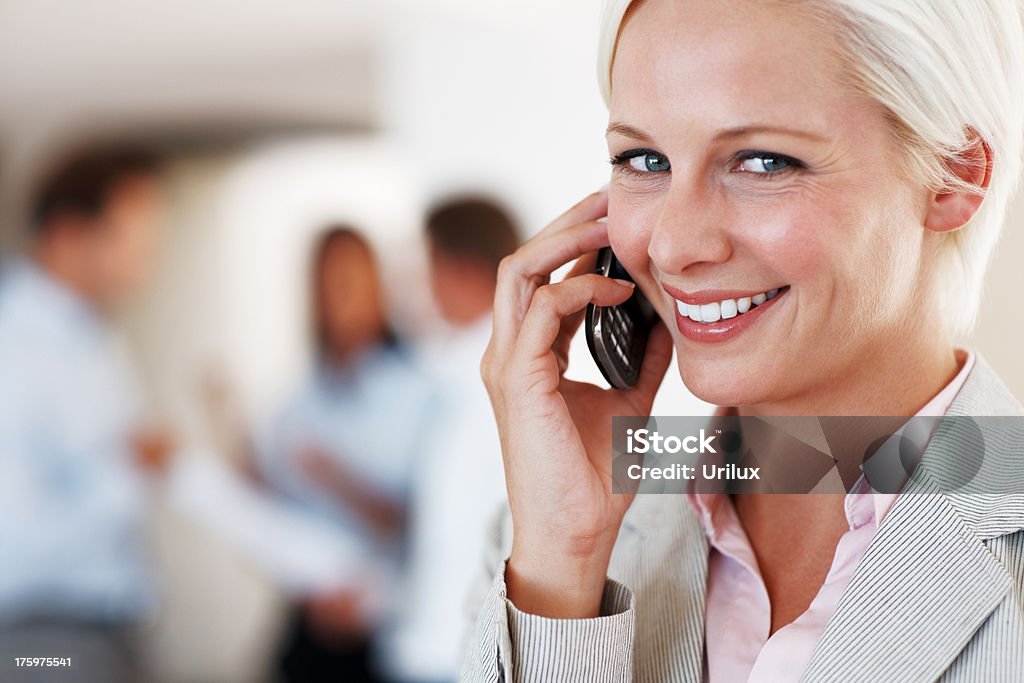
337,450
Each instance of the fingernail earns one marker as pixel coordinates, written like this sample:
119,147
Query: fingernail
625,283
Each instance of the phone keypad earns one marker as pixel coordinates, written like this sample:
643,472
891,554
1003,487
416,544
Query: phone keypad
621,331
623,339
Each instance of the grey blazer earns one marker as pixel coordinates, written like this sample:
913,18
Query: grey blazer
938,595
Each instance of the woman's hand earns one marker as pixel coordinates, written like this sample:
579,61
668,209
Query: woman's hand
556,433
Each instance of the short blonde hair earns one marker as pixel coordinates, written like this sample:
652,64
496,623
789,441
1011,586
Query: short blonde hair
946,71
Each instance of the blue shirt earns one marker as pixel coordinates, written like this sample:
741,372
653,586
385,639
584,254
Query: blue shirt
71,500
370,417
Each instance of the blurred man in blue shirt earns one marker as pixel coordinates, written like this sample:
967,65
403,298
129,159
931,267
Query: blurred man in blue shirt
73,573
460,482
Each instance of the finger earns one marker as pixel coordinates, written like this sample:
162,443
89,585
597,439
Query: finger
657,358
553,303
584,264
530,267
587,263
542,255
590,208
563,341
515,289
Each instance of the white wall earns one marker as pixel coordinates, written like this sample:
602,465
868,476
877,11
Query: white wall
999,335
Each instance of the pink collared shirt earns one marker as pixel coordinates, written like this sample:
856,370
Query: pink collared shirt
738,612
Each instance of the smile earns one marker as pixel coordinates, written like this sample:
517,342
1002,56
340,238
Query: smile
715,316
725,309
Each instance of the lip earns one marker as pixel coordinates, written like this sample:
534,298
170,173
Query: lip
710,296
725,329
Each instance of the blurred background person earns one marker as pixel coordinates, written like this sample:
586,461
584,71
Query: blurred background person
74,575
343,448
460,481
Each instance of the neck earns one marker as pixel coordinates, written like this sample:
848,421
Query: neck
476,302
341,356
64,266
472,317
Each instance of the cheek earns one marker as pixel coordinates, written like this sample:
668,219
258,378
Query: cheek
835,252
807,241
790,244
630,220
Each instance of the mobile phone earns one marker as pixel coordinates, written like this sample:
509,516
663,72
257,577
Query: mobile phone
617,335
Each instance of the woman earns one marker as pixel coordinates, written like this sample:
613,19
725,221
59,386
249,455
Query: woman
336,451
846,165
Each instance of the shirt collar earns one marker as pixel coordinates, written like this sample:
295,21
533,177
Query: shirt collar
46,299
862,504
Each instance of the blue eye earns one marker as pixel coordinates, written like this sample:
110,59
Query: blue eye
642,161
764,163
654,163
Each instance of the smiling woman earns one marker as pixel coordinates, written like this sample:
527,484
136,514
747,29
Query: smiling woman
788,177
808,193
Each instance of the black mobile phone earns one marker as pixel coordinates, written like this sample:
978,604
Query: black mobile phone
617,335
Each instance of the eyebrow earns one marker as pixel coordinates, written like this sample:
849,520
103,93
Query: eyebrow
627,130
739,131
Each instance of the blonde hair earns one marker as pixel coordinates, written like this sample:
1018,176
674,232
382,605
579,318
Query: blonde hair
946,72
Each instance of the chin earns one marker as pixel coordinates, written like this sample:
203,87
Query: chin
721,383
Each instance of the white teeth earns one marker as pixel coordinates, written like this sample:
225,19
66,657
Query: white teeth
725,309
710,313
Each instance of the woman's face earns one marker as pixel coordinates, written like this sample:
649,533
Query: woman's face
350,298
744,164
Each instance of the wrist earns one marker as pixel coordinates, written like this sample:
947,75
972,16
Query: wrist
557,585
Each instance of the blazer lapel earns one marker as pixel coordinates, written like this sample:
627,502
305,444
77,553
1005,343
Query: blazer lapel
927,581
924,586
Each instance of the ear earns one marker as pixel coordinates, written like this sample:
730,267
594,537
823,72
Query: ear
950,210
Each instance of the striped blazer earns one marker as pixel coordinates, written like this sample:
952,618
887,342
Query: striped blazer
937,596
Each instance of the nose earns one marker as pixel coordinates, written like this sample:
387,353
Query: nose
691,232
